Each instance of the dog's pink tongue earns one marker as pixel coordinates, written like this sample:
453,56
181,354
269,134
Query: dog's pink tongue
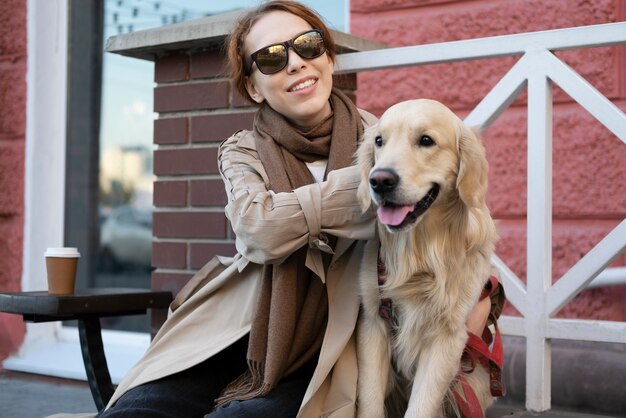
393,215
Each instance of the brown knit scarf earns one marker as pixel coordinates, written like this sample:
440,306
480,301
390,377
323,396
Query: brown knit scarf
292,307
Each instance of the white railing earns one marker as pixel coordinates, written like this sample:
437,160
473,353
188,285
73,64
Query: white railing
535,71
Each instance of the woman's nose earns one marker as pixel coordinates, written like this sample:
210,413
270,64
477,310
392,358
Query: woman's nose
295,62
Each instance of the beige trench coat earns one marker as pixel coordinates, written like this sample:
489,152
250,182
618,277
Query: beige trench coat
215,308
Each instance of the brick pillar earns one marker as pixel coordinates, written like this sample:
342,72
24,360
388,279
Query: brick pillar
197,109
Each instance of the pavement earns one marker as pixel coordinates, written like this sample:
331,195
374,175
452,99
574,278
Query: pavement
24,395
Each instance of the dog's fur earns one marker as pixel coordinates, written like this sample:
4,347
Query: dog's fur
436,262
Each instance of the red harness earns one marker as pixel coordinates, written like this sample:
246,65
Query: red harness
476,348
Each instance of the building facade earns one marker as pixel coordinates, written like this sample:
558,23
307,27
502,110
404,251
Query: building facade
197,109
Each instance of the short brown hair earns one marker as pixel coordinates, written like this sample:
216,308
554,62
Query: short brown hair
235,53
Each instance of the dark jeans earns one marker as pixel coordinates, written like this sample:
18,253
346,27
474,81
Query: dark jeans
190,393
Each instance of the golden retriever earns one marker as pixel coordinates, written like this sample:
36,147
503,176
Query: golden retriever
426,174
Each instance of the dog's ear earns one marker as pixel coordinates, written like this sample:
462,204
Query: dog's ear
365,162
471,181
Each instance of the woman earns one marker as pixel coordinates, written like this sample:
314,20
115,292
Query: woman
271,331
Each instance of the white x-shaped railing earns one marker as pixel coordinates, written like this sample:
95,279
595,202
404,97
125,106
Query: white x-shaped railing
535,71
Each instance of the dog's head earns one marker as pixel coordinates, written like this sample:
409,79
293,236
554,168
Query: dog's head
418,154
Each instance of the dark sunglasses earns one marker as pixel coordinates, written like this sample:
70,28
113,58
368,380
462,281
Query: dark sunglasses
273,58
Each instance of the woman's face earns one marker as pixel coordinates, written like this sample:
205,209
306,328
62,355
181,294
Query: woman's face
300,91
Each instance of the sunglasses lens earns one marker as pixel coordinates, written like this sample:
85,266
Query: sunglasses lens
274,58
271,59
309,45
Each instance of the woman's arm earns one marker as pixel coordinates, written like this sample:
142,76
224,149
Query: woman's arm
270,226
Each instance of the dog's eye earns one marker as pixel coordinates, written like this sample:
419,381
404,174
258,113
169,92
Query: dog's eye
378,141
426,141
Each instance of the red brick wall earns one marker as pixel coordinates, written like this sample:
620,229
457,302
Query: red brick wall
12,137
589,163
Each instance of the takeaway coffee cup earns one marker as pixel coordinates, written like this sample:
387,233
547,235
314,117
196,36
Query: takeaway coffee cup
61,267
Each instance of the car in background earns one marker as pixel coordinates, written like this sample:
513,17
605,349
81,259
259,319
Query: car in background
125,240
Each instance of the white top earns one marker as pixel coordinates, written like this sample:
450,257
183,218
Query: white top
317,169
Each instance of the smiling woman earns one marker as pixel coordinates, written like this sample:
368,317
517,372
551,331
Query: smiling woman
252,357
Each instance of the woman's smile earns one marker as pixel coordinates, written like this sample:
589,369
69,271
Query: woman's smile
302,84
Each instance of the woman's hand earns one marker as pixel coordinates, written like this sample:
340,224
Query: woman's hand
478,317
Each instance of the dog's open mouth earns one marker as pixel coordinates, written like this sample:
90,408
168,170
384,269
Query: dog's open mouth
398,216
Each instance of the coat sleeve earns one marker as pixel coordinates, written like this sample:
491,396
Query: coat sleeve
270,226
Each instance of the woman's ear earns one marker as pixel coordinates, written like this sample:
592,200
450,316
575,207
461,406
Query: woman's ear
253,92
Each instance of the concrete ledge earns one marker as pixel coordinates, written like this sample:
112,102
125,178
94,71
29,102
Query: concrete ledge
510,411
587,376
202,34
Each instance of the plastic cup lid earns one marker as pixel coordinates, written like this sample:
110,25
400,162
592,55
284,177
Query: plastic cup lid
62,252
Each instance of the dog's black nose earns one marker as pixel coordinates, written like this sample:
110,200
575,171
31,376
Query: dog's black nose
383,180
